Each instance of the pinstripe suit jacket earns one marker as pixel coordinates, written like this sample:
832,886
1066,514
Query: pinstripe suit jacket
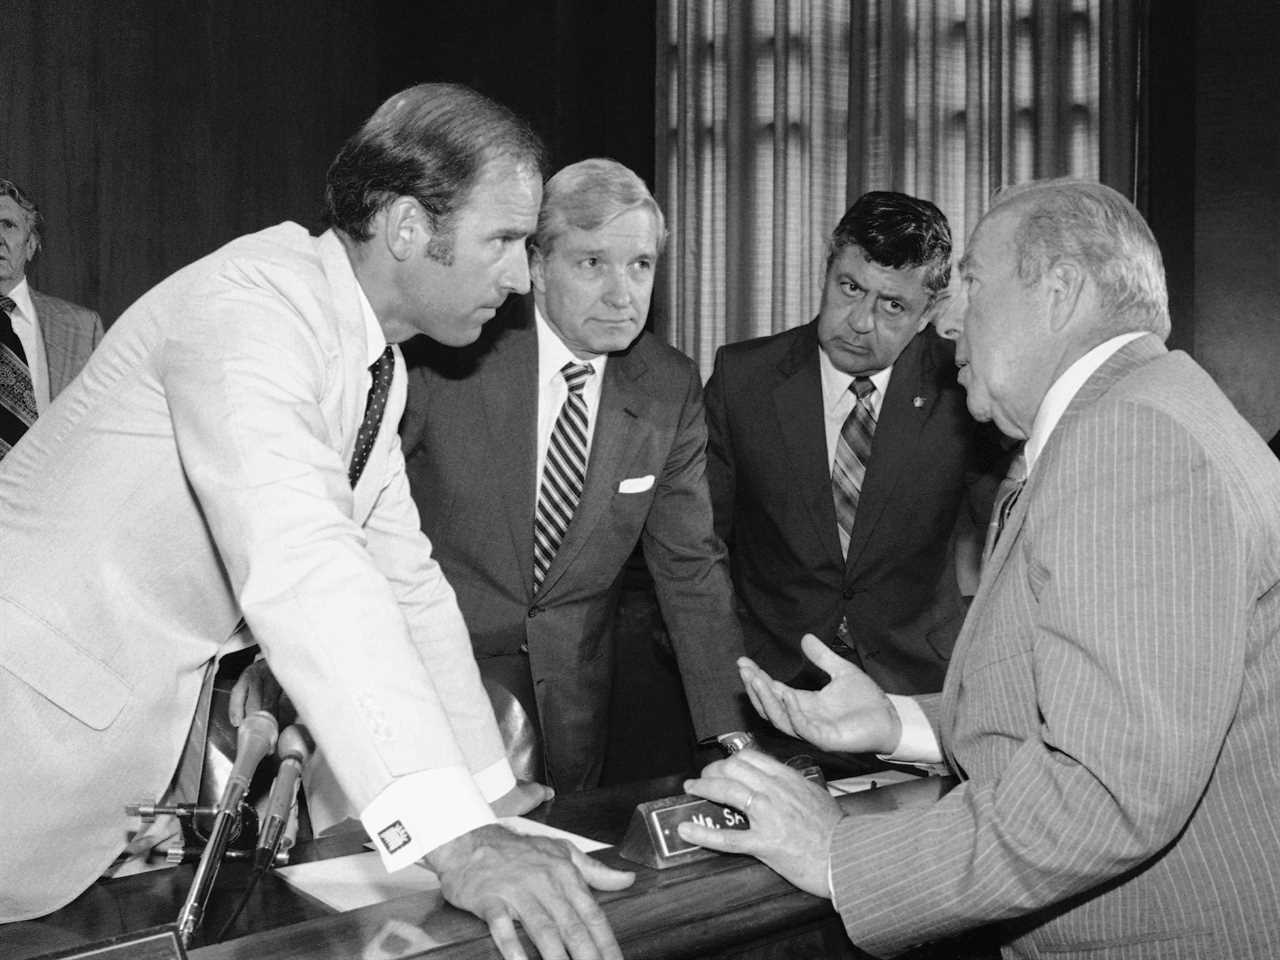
70,334
1113,702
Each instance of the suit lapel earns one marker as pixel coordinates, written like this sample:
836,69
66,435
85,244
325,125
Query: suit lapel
908,402
801,423
624,406
509,392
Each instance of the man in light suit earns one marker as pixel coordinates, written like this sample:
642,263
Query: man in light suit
1112,706
44,341
216,461
879,582
479,434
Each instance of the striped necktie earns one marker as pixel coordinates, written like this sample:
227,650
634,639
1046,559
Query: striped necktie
1006,498
17,398
853,452
564,472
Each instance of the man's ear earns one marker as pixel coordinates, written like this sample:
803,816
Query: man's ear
1064,284
405,228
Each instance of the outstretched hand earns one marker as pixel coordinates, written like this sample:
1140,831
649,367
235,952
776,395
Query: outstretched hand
851,713
791,818
546,884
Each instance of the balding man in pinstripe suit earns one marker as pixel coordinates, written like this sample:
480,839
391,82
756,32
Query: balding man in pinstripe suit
1112,708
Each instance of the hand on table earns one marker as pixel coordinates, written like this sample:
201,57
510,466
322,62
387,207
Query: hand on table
851,713
546,884
791,818
522,798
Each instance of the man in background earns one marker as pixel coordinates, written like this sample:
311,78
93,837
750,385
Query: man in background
541,457
1112,705
844,469
44,341
230,455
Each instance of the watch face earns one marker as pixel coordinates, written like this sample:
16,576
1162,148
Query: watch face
735,741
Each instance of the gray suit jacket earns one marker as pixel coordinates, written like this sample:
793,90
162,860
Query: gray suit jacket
470,449
70,333
1113,703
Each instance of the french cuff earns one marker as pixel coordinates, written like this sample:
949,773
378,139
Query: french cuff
495,780
918,743
419,812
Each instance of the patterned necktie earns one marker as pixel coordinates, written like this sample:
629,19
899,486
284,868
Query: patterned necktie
381,371
17,398
853,452
1006,497
564,473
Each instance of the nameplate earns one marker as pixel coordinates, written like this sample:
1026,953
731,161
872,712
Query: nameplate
652,837
154,943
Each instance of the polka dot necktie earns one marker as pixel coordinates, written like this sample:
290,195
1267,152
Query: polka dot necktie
564,472
381,371
17,398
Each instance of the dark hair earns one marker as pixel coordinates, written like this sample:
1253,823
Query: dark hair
34,220
429,142
896,231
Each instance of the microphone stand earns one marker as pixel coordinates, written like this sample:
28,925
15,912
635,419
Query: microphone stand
257,737
294,750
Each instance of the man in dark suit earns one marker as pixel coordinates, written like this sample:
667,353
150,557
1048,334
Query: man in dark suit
839,507
44,341
488,462
1112,705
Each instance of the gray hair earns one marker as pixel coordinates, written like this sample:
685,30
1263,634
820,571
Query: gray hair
1100,229
34,219
588,194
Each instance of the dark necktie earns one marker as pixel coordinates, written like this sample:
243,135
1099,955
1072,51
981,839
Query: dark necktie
17,398
381,371
1006,498
853,452
564,473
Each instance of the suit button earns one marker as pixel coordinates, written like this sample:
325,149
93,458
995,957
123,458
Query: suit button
848,592
524,648
534,611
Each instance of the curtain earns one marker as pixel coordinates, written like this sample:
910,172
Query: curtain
774,115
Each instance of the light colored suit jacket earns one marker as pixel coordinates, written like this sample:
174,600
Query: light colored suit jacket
70,333
1113,702
194,474
469,433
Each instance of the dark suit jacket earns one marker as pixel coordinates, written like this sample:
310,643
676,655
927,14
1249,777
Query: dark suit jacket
1114,701
771,487
469,437
70,334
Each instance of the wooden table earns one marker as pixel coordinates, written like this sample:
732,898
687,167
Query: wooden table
727,906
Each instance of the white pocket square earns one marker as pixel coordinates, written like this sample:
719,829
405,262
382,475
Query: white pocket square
636,484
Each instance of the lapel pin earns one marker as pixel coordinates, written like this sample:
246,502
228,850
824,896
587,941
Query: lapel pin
917,402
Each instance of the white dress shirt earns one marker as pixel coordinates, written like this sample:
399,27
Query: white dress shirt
27,326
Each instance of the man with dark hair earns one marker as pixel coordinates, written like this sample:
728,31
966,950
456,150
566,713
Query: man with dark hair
1112,707
840,456
230,458
533,524
44,341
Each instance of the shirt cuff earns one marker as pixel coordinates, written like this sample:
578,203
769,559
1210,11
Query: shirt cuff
917,743
495,780
423,810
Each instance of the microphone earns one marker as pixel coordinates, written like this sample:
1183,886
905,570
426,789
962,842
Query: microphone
294,750
256,738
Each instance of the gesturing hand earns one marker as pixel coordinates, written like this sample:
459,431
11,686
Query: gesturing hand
851,713
502,877
791,818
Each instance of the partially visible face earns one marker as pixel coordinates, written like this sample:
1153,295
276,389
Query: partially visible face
1001,344
17,244
456,283
869,312
594,286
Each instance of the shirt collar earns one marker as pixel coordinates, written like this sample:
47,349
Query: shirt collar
553,354
1063,391
835,383
21,297
375,338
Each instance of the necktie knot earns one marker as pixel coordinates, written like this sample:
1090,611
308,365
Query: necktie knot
862,387
575,376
